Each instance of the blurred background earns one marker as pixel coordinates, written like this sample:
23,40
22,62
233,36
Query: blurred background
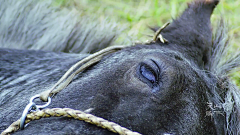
135,17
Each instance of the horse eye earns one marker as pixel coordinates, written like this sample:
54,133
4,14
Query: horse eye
148,73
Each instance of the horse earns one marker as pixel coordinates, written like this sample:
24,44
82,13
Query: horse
175,84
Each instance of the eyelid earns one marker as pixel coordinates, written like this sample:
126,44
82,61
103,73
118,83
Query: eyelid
148,73
154,69
157,67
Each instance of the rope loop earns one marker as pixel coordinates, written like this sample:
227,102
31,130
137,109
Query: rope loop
31,107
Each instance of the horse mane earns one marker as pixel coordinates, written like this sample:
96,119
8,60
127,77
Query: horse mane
221,65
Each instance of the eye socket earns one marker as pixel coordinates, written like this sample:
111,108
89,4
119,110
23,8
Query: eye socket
148,73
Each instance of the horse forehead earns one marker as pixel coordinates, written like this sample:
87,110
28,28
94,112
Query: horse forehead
139,52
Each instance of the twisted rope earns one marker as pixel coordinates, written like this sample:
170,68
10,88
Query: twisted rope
76,114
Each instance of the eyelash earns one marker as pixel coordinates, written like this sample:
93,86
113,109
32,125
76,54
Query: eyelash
148,73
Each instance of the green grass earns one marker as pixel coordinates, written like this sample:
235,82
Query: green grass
136,15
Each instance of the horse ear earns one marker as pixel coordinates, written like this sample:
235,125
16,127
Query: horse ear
192,30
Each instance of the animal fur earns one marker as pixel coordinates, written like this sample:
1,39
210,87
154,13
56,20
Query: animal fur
196,55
